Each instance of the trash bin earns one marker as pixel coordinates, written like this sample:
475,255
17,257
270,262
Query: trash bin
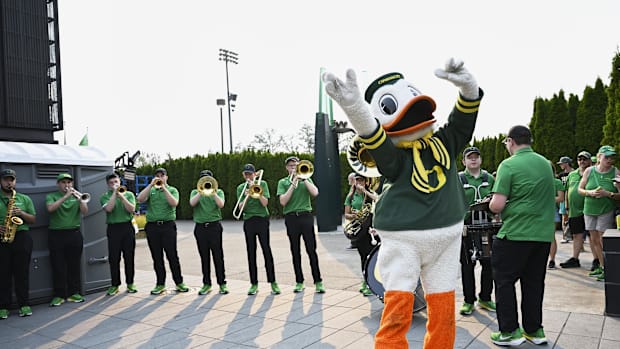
611,253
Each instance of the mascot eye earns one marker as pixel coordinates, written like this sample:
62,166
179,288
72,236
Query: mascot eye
414,91
388,104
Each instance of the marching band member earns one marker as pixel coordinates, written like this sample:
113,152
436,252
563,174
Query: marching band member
477,184
208,230
161,229
256,225
295,196
15,255
65,239
354,203
119,205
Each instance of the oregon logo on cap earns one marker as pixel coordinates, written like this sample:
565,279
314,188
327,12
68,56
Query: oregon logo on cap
390,78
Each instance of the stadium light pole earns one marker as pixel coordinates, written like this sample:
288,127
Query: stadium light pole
229,57
220,103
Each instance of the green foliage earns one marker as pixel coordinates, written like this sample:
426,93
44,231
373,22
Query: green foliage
612,113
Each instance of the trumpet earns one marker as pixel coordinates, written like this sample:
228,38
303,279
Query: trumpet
207,186
255,192
159,183
121,189
83,197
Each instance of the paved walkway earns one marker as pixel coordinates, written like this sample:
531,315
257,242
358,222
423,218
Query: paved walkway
340,318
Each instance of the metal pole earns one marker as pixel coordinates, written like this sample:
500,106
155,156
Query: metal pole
222,129
228,105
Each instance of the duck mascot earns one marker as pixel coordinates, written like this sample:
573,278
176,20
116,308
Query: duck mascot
419,214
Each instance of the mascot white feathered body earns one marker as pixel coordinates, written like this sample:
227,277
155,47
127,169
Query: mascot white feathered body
419,215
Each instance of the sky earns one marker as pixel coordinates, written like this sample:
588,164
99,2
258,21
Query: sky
145,75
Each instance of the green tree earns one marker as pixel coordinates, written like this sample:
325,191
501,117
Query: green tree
591,116
611,130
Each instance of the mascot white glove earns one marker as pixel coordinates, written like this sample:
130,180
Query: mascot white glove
456,73
348,96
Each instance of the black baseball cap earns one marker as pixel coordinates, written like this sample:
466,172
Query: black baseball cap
249,168
584,154
8,173
205,173
162,170
470,150
565,160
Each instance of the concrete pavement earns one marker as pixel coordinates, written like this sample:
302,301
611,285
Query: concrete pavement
340,318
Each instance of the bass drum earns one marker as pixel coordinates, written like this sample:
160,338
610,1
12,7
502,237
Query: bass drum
373,279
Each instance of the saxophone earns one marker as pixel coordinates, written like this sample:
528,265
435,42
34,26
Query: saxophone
10,222
355,225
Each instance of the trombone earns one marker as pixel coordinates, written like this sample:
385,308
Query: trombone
207,186
304,170
255,192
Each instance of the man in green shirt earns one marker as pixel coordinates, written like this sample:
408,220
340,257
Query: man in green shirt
119,205
477,184
208,232
15,255
161,229
66,206
253,197
574,208
295,196
524,195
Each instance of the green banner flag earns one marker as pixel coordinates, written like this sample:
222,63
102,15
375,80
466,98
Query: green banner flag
84,141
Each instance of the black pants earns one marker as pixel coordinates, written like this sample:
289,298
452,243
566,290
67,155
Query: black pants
15,268
258,227
121,239
209,241
364,242
162,237
468,278
525,261
66,247
297,227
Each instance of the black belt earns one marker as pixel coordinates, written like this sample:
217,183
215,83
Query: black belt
161,222
299,213
206,224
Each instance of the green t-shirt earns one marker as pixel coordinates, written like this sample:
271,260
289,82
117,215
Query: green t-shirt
356,201
575,200
206,210
300,200
158,208
22,201
475,184
119,214
597,206
67,216
401,205
253,207
527,180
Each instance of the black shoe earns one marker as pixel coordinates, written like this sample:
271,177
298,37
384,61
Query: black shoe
571,263
595,264
551,264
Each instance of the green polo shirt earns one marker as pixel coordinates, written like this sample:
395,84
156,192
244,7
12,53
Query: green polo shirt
119,214
356,201
475,183
253,207
206,210
67,216
158,208
22,201
597,206
300,200
527,180
575,200
403,207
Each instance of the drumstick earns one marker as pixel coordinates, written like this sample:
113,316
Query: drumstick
371,231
